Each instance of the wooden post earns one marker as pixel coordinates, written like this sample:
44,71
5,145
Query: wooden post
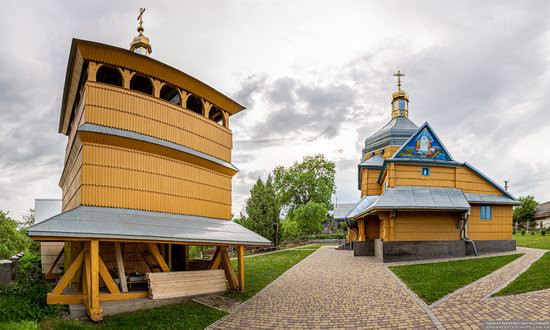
361,229
186,257
120,267
153,248
240,253
95,308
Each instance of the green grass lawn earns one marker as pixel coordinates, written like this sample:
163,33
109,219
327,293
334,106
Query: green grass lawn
259,272
316,246
533,279
433,281
533,241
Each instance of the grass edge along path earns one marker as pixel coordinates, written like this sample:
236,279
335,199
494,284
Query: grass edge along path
535,278
433,281
536,241
260,270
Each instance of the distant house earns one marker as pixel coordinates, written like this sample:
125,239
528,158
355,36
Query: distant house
542,216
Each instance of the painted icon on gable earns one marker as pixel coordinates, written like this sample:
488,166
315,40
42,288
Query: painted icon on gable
424,145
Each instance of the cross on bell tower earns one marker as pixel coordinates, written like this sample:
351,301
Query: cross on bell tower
141,44
400,99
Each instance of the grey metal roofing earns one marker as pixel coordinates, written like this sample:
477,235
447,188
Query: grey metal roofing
45,208
342,210
415,198
490,199
115,223
362,206
146,138
375,160
394,133
543,210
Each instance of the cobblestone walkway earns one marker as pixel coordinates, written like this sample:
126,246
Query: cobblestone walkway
333,289
470,306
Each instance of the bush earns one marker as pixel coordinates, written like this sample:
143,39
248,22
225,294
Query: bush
543,232
533,232
523,232
26,298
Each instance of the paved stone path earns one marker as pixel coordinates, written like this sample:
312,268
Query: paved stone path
333,289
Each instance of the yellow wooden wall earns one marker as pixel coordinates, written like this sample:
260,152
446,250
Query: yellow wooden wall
499,228
369,184
145,181
440,176
125,109
426,226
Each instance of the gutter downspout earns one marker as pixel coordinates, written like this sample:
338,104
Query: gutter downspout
464,232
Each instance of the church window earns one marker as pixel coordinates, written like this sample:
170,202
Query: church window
425,171
141,84
108,75
486,212
170,94
401,104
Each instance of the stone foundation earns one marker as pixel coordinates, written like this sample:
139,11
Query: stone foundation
491,246
363,248
393,251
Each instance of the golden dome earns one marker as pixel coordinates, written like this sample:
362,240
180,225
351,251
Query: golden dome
400,94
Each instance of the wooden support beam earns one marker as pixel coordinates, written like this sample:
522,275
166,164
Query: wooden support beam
106,277
240,253
229,271
123,296
68,276
153,248
64,299
49,274
216,258
94,307
120,267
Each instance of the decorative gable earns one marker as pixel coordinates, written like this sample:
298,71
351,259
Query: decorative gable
425,145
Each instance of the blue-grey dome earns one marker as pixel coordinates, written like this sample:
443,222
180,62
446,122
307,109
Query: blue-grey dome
394,133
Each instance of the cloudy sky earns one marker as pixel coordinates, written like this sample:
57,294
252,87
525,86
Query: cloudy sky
316,77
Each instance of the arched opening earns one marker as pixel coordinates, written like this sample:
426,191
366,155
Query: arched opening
170,94
109,75
194,104
216,115
141,84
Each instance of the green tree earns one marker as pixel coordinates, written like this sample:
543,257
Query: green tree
311,180
262,209
12,241
309,218
524,212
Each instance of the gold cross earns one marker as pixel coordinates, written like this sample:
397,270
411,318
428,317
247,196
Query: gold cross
398,75
140,17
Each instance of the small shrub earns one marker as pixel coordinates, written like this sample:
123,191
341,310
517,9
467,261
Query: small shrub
514,231
533,232
523,232
26,298
543,232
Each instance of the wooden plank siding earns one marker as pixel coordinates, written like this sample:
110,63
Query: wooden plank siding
144,181
498,228
369,184
125,109
426,226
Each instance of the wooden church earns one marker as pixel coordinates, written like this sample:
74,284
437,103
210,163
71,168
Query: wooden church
147,174
418,202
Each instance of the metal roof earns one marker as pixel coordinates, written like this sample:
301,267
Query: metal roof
362,206
414,198
543,211
115,223
153,140
375,160
489,199
394,133
342,210
45,208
